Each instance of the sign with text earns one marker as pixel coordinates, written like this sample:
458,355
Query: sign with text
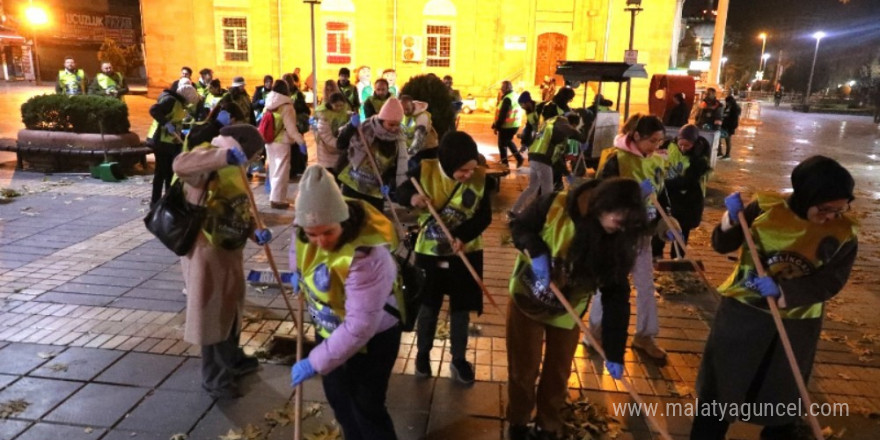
94,27
631,56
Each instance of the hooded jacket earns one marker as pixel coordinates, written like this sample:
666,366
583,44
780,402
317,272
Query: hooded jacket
276,102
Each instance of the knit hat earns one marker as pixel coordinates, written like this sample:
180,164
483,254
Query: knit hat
689,132
238,81
188,92
247,136
392,110
817,180
524,97
319,201
456,149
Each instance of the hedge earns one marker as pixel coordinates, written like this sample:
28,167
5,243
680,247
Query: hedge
78,114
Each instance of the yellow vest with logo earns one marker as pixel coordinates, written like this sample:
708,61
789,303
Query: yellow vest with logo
279,125
789,247
537,301
72,83
108,82
336,118
211,100
323,273
378,102
363,179
461,207
677,163
638,168
514,116
543,146
175,116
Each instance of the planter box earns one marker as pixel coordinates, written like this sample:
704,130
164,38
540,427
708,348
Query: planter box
57,151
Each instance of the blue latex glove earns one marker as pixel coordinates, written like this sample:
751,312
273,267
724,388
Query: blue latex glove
223,117
385,190
570,179
734,205
767,287
670,236
647,188
263,236
541,269
170,128
234,156
294,281
301,371
355,120
303,149
614,369
261,102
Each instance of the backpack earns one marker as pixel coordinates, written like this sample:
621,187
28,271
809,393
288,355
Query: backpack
267,127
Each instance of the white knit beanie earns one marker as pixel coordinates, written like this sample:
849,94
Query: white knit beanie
319,201
189,93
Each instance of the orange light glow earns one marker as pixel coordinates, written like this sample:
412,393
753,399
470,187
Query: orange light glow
36,15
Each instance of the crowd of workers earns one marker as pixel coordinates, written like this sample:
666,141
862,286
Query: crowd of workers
583,237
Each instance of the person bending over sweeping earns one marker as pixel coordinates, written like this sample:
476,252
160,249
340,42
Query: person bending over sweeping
808,246
580,240
341,259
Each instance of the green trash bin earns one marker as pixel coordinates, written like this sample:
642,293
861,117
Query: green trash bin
108,172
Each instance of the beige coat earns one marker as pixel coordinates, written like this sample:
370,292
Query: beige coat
214,277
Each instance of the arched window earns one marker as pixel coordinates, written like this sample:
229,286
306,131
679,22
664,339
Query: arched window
439,7
337,6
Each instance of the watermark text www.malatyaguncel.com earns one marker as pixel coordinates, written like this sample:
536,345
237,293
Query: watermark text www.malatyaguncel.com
721,410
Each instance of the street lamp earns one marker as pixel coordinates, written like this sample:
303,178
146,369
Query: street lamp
763,37
764,59
633,7
36,16
818,36
312,4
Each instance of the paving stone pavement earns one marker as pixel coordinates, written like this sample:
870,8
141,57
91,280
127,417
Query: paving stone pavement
91,313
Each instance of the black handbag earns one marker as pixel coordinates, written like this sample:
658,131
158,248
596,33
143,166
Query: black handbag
175,221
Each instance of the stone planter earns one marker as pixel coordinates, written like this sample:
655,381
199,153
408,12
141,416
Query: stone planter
57,151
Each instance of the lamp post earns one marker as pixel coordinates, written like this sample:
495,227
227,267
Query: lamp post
818,36
763,37
312,4
633,7
36,16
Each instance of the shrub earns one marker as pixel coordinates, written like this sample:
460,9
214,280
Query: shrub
430,89
79,114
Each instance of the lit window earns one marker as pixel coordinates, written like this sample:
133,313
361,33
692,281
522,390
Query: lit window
439,49
235,38
338,42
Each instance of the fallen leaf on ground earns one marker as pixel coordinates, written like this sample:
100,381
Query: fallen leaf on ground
13,407
179,436
89,430
324,433
47,354
442,332
587,420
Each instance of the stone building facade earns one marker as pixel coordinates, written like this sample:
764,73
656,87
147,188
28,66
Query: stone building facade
478,42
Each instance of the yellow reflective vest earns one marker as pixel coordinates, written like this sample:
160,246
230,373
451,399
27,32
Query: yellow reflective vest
677,163
537,301
323,273
514,116
364,179
460,208
175,116
789,247
72,83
